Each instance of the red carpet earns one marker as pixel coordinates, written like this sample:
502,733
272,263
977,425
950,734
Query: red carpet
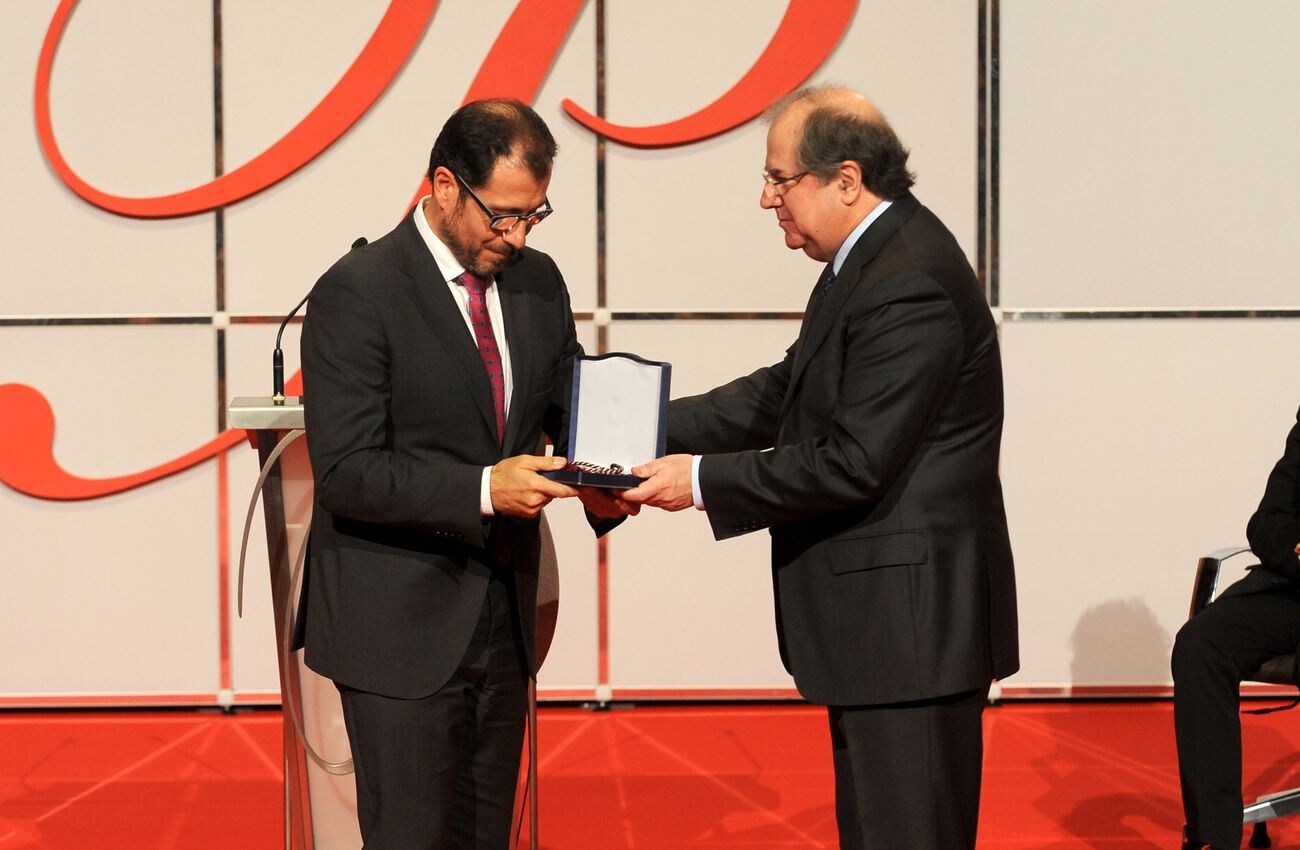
1057,776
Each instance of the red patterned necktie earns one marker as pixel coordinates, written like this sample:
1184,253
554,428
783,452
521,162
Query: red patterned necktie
487,343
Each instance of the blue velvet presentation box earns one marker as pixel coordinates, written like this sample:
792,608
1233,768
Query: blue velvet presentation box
618,419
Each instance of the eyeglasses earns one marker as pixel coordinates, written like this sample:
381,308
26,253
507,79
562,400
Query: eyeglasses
780,185
505,223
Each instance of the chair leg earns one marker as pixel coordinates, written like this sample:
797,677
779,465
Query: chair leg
1259,835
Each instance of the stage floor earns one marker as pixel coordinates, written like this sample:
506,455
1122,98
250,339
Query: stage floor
1057,775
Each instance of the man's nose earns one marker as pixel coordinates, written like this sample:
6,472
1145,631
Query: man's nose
517,237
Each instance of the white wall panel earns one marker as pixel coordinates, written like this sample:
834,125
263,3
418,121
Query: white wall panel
1130,450
570,235
116,594
279,242
1146,163
252,638
676,215
126,127
685,228
1148,153
686,611
125,398
253,663
918,62
572,662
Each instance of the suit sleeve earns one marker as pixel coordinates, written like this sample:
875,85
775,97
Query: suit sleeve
346,379
1274,529
555,422
902,352
738,415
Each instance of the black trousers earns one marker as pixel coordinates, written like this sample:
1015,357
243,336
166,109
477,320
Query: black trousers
440,773
907,775
1213,652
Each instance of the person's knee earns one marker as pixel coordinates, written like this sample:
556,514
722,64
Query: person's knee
1194,651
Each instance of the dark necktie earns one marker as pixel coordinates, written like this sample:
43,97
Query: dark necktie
823,287
487,343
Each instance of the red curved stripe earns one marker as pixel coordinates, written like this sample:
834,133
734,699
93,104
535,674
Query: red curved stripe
375,67
807,35
520,57
27,461
516,66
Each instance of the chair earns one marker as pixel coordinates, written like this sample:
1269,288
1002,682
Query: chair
1280,670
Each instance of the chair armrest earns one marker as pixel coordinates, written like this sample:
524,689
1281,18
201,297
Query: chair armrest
1207,577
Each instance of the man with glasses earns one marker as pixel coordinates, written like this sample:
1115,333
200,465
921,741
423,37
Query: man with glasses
870,453
434,360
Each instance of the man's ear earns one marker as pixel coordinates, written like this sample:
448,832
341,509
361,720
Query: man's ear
849,181
445,187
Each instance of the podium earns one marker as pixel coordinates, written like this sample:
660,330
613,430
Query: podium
320,804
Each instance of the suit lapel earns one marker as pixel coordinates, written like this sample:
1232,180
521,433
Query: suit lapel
517,317
817,328
443,315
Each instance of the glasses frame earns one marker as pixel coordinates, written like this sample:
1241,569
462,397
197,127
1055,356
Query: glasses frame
778,186
529,219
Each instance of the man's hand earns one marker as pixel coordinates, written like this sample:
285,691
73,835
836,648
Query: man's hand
668,483
606,503
518,490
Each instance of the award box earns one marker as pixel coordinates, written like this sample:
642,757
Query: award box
618,419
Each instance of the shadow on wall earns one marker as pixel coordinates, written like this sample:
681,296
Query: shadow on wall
1109,782
1119,642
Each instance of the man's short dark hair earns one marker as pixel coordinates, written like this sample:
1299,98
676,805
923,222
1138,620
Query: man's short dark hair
832,135
484,131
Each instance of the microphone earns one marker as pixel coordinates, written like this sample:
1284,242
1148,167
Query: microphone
277,356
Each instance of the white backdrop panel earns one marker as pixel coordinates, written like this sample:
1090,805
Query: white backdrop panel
116,594
572,660
685,231
280,241
252,638
1130,450
125,128
918,62
1148,153
686,611
571,663
1131,447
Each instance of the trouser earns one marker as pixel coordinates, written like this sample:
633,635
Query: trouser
441,772
907,775
1213,652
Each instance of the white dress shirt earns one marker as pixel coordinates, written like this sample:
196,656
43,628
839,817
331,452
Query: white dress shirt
451,269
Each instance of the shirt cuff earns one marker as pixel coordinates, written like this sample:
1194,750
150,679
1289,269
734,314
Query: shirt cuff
485,493
696,496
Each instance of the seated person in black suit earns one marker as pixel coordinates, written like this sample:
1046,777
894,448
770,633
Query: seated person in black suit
1254,619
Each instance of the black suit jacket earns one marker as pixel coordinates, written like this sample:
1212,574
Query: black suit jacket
1274,529
890,556
399,426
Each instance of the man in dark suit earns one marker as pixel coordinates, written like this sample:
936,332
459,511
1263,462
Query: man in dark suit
871,454
1255,619
434,359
